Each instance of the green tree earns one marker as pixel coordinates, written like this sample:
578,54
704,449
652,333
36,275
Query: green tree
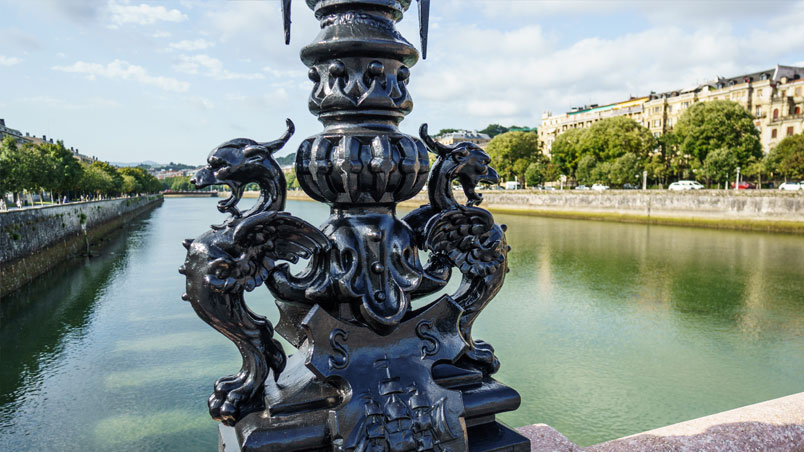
585,173
787,158
612,137
720,124
566,151
291,180
512,152
720,165
12,176
114,176
446,131
626,168
96,181
493,130
65,170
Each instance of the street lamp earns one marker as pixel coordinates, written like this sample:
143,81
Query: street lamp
737,180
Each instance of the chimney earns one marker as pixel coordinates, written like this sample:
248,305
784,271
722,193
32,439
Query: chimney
2,122
44,137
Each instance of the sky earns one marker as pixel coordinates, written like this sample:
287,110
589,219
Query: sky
130,81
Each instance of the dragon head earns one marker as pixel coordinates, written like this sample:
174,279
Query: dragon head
239,162
465,162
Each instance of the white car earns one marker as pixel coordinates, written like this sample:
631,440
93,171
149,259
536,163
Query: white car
600,187
791,186
685,185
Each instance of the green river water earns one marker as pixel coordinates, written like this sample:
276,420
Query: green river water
605,329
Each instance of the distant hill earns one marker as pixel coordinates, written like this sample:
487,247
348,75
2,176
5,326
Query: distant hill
156,165
287,160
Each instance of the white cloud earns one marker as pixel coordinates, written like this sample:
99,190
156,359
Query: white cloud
122,70
162,34
9,61
210,67
142,14
189,46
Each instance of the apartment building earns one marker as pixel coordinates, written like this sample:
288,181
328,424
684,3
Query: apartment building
775,97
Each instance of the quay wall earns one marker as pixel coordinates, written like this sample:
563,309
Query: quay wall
765,210
34,240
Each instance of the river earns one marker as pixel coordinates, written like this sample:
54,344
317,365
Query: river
605,329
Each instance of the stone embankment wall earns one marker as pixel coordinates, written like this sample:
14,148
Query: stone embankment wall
34,240
765,210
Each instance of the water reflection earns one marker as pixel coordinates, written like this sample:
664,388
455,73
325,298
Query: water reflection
606,330
35,322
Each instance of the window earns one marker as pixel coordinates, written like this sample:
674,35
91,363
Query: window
759,93
798,92
797,111
657,123
790,131
773,133
784,92
775,114
669,108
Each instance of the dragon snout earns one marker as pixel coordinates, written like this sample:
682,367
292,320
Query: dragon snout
490,176
204,178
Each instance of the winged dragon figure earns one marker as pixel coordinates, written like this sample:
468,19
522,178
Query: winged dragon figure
238,256
463,236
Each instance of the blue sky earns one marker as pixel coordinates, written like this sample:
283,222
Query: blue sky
167,81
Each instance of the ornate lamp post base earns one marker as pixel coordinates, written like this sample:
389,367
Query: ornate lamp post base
371,373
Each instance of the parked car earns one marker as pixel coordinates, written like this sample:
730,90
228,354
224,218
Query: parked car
743,186
581,187
685,185
792,186
549,188
512,185
600,187
630,187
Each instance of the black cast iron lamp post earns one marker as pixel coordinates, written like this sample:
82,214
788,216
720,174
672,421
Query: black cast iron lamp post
371,373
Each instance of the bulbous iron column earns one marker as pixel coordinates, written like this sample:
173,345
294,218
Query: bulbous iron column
371,373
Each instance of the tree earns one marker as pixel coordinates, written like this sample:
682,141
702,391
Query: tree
512,152
446,131
720,164
12,176
291,180
612,137
96,181
566,152
787,157
114,176
539,171
585,173
720,124
492,130
66,170
625,169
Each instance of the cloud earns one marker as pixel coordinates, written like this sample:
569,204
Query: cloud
142,14
210,67
9,61
67,104
516,73
162,34
189,46
122,70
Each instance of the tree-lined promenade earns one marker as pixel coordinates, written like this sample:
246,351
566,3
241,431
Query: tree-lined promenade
710,141
51,168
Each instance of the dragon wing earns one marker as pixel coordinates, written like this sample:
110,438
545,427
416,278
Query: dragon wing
270,237
469,238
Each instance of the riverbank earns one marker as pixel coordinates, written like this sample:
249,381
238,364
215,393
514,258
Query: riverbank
766,210
34,240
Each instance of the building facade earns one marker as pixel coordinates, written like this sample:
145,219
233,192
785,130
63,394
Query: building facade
774,97
480,139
